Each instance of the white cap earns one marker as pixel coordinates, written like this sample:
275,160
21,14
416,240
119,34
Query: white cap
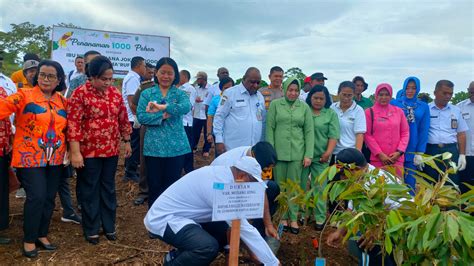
251,166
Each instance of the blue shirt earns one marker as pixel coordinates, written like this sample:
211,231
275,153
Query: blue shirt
213,105
418,117
441,131
164,138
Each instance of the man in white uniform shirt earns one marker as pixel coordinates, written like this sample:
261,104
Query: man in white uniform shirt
131,83
184,77
199,112
241,114
467,111
176,214
214,90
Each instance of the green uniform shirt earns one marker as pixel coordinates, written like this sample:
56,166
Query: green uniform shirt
326,126
364,102
290,130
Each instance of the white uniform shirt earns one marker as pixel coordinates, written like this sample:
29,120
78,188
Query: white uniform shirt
199,109
441,131
467,110
190,91
213,91
189,201
303,95
230,157
131,83
239,118
352,122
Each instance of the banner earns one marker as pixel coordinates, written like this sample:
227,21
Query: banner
119,47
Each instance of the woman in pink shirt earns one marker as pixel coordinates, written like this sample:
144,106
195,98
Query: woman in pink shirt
387,132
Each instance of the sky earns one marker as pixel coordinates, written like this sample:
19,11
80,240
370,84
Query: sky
383,41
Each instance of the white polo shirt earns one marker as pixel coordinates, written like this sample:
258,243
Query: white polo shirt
352,122
199,109
189,201
467,111
131,83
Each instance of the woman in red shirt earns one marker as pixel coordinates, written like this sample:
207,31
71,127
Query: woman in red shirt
97,121
38,149
5,149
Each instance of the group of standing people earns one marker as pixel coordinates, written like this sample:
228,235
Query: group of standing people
159,116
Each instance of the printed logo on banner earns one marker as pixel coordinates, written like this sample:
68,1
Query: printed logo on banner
62,42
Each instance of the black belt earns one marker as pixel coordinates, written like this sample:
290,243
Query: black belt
443,145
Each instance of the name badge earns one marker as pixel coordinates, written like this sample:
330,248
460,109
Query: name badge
454,123
434,116
240,103
466,116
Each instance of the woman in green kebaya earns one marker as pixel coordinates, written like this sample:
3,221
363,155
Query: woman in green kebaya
290,130
326,134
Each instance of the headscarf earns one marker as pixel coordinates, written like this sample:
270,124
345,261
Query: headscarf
412,101
380,87
287,84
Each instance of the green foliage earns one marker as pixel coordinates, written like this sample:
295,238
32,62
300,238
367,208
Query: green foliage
424,96
432,227
295,72
459,97
24,38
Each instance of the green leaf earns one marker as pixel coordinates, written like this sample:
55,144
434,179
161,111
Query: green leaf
453,227
467,229
332,172
427,196
430,229
388,245
355,218
412,236
447,156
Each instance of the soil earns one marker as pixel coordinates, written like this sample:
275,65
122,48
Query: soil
133,245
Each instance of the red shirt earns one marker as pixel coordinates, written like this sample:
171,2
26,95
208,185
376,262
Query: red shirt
97,119
5,129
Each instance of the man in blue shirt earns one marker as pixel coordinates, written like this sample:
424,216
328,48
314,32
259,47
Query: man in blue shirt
447,131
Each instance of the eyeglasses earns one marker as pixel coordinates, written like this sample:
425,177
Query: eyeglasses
50,77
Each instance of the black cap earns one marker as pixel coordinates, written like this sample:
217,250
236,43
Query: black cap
351,156
318,75
265,154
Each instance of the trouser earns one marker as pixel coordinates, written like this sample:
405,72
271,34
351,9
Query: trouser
142,183
272,192
131,163
198,125
96,183
320,207
372,257
409,178
41,185
467,175
162,172
291,170
189,157
64,191
195,245
434,149
4,192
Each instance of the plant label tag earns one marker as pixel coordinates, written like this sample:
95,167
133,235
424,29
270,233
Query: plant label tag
320,262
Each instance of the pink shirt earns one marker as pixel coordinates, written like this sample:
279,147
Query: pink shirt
389,131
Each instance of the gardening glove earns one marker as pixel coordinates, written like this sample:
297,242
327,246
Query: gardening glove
136,124
462,162
418,161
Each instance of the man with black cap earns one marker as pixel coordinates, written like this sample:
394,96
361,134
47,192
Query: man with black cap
266,156
175,217
317,78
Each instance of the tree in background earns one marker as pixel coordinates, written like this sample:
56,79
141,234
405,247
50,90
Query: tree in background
459,97
425,97
295,72
24,38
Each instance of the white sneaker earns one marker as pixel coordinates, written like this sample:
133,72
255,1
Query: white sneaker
20,193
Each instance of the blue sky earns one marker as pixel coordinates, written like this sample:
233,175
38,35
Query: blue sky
384,41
